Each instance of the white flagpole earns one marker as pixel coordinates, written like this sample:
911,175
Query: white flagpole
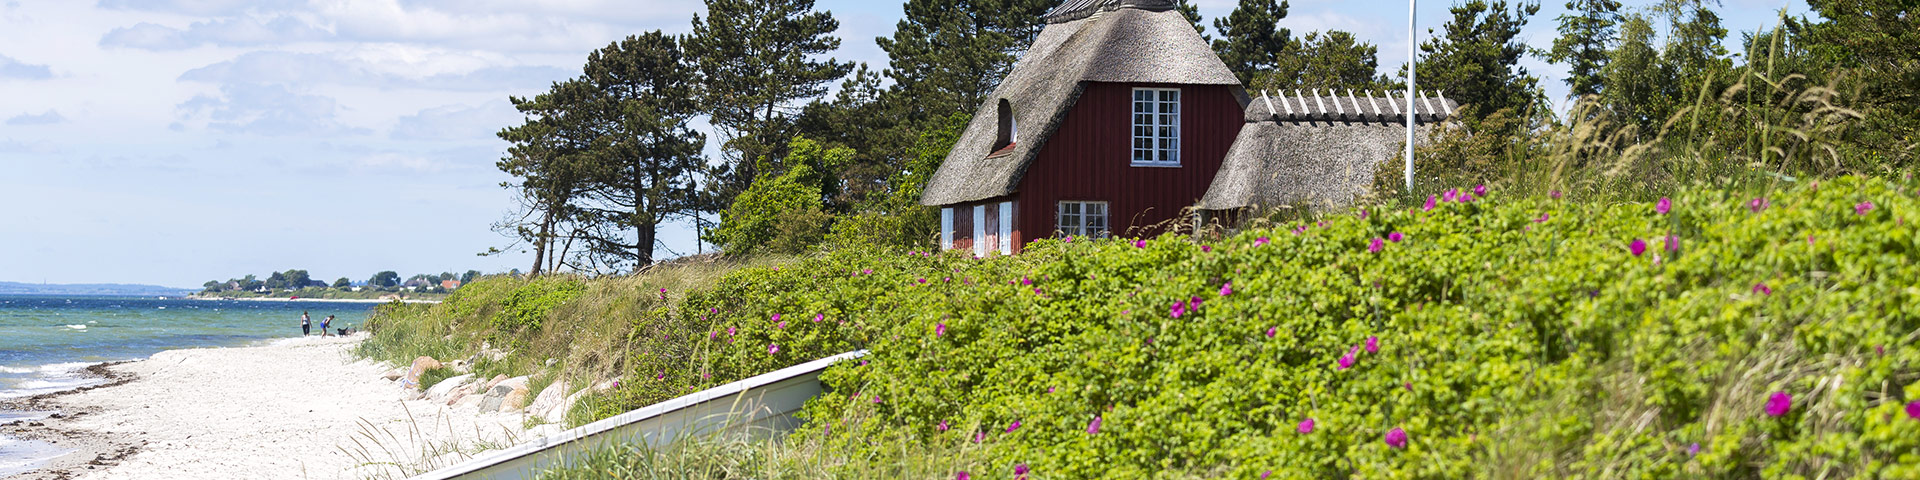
1412,54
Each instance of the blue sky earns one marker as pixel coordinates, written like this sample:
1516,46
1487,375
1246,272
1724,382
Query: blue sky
172,142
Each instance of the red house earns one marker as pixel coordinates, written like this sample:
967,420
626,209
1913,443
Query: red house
1119,119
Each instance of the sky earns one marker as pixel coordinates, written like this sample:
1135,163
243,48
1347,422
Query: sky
172,142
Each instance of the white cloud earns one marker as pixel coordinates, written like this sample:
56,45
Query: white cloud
267,110
10,68
224,32
457,122
200,7
48,118
296,68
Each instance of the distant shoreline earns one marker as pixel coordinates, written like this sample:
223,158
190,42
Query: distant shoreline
322,300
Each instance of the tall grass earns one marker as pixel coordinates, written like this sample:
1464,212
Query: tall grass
1757,130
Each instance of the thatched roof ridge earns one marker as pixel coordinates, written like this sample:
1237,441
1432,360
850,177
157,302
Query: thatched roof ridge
1133,45
1319,151
1077,9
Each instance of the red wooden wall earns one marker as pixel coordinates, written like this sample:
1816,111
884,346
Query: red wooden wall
1089,158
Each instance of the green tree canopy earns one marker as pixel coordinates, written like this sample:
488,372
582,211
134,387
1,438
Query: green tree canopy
1475,59
759,61
385,279
1251,39
1586,32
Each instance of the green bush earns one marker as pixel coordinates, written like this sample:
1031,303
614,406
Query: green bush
1517,338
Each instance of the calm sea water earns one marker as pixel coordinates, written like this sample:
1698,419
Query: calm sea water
45,343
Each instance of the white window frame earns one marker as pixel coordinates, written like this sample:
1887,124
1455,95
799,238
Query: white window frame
946,228
980,230
1006,228
1081,227
1154,120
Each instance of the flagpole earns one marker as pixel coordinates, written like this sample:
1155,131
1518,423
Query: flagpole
1412,55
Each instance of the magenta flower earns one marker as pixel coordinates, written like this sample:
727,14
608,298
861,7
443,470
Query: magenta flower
776,317
1761,288
1637,247
1395,237
1451,194
1779,404
1139,244
1260,241
978,436
1554,194
1026,281
923,281
1271,331
729,331
1093,428
661,376
942,426
1193,304
1430,204
1465,197
1757,204
1662,207
1178,309
1020,469
1862,208
1226,289
1694,450
783,324
1480,190
1373,344
1375,245
1542,219
1346,361
773,349
1206,248
876,399
1396,438
1672,243
1013,426
1408,386
818,317
868,271
1306,426
940,329
1913,409
1069,239
963,474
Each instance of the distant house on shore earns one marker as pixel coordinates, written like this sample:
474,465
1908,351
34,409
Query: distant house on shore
1120,119
449,284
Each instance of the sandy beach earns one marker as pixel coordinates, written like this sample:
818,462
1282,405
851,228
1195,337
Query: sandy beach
296,408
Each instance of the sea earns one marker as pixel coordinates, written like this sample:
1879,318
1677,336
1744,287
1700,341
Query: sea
46,342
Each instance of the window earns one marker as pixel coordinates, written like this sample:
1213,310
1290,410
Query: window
1156,127
1083,219
1009,128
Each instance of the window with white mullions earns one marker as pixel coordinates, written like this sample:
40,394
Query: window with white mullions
1083,219
1156,127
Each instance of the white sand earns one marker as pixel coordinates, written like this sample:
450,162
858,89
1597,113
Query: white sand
294,409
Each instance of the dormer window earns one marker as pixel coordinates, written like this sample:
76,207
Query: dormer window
1156,127
1009,132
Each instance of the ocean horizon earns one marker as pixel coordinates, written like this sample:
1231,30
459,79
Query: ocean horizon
47,341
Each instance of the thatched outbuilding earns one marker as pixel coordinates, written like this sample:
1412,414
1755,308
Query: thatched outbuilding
1119,118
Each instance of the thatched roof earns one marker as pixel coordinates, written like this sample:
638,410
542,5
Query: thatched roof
1116,41
1317,150
1077,9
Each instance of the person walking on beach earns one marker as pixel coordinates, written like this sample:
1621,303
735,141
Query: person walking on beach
306,325
323,325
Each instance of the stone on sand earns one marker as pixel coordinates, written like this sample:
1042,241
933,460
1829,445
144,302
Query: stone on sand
548,398
420,365
441,390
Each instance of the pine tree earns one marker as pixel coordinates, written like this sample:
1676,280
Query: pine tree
948,55
1693,52
549,157
758,62
1333,60
646,155
1251,39
1476,59
1586,32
